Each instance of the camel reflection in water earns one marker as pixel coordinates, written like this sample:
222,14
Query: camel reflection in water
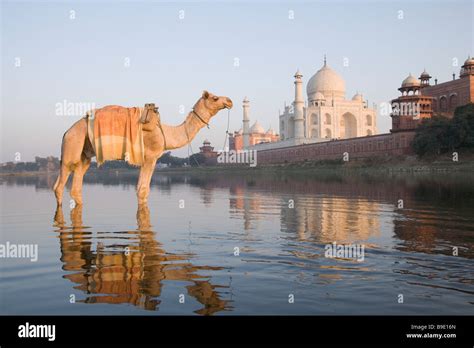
132,268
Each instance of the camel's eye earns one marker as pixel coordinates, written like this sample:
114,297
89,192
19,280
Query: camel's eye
215,98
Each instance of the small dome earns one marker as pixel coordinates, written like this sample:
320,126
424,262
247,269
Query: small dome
469,61
207,142
257,128
358,97
411,81
425,74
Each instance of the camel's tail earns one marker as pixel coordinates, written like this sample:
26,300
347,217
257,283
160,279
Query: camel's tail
60,163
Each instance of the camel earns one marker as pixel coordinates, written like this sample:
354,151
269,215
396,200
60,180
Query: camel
77,150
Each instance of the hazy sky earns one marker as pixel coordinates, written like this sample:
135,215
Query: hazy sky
130,53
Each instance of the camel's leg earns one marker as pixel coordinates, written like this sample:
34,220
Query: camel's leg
59,217
71,151
81,169
143,217
58,188
143,186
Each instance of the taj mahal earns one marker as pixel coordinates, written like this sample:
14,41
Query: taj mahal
325,115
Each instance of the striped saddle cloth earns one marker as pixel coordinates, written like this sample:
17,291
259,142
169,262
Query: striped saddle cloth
115,133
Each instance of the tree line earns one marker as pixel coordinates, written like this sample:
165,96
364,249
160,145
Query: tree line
52,163
439,134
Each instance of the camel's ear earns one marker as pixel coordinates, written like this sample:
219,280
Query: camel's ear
205,94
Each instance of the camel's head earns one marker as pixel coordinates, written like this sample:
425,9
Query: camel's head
213,103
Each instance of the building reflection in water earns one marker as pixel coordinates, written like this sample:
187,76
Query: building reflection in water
130,266
437,212
332,219
309,214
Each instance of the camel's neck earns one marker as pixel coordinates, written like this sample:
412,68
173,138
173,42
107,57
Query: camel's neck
179,136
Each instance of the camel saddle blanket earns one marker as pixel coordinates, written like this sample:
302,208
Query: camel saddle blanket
115,133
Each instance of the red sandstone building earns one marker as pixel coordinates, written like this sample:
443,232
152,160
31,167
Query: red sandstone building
207,150
421,100
257,135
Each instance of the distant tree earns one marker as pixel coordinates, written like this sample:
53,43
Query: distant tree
25,167
430,137
197,159
172,161
165,158
116,165
31,167
464,122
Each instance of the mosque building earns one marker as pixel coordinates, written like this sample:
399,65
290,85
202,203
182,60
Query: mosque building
250,136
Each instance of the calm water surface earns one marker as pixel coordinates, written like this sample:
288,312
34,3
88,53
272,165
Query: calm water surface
115,258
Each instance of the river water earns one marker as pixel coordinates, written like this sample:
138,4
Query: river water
233,243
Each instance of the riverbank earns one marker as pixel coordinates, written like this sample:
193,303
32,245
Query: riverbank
442,163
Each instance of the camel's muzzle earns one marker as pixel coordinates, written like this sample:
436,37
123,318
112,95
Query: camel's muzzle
228,103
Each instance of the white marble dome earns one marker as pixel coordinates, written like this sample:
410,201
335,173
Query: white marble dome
257,128
319,96
327,82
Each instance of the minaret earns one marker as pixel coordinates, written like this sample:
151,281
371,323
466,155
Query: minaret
298,106
245,121
424,79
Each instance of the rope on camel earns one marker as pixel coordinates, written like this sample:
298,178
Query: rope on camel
225,140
